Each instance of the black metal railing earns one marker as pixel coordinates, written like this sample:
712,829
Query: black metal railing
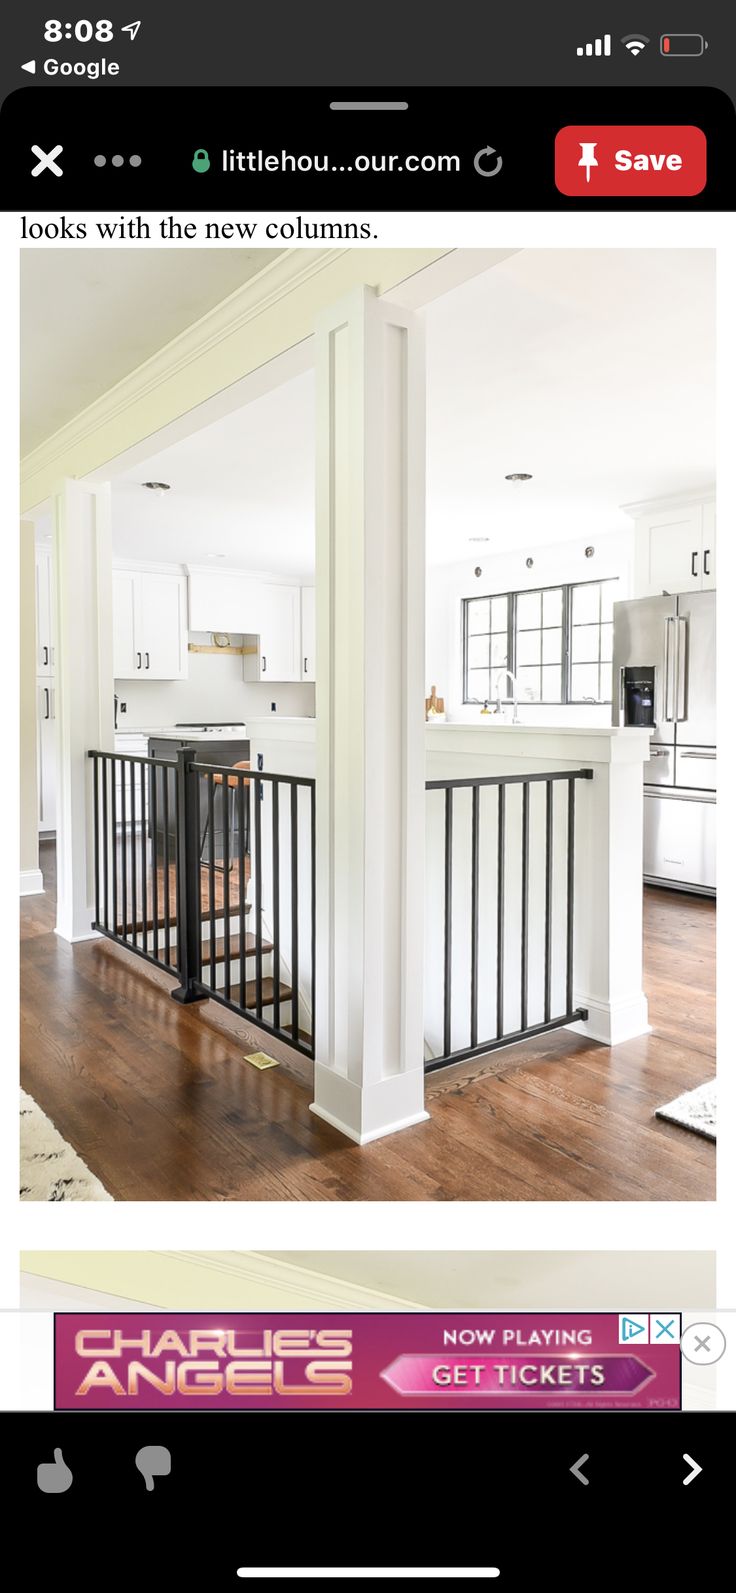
136,855
500,912
209,872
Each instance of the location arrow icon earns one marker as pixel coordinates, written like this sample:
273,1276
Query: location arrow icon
577,1470
694,1472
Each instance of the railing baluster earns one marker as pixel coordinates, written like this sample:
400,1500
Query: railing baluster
96,801
243,788
134,854
211,841
225,788
500,908
105,840
524,906
153,813
124,846
570,884
114,839
276,853
294,912
549,816
474,867
447,1039
144,853
167,867
259,889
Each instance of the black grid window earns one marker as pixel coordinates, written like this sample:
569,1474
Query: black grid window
556,640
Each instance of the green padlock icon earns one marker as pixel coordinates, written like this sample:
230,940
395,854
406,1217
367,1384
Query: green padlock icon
201,160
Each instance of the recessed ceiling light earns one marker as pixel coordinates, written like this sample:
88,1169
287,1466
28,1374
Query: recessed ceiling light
159,487
518,475
479,539
216,555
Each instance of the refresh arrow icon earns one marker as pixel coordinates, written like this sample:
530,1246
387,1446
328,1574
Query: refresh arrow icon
481,162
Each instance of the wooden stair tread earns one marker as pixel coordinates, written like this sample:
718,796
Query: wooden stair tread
268,990
150,924
250,949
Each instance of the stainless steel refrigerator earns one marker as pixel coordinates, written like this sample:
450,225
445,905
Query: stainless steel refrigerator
664,676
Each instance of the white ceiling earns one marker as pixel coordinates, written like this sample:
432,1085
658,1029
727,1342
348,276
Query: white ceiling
593,370
90,316
243,488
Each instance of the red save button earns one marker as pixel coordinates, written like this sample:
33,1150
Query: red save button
636,161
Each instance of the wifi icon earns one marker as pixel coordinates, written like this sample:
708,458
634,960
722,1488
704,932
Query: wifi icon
635,43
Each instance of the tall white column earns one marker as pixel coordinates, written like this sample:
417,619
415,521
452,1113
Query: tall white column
84,687
369,1071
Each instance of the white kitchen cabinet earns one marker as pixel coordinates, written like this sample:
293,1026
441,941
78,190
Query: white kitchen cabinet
149,625
309,633
223,600
674,548
278,630
709,547
45,627
46,753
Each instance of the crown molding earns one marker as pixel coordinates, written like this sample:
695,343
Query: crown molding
308,1288
672,500
285,275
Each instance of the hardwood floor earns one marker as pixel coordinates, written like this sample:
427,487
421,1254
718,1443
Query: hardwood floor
158,1100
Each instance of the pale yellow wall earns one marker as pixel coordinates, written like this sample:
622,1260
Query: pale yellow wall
266,328
385,1280
27,750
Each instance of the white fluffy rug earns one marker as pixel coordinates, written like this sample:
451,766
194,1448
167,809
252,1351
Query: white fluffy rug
695,1110
50,1169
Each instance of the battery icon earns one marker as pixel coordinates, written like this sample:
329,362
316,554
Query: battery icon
682,44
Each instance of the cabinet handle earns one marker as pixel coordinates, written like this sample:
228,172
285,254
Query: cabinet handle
693,562
138,656
263,664
706,566
306,666
47,714
45,655
148,660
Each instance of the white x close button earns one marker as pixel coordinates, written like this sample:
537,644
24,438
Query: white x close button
46,162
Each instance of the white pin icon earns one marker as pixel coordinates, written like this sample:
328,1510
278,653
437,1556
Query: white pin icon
587,158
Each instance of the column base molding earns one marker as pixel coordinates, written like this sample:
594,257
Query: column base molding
612,1022
365,1114
31,882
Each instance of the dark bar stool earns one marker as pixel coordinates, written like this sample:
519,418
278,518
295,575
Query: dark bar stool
228,817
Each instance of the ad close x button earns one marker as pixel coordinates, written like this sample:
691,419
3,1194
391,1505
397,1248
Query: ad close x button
630,161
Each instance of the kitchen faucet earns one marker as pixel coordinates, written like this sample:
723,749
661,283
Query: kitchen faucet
506,674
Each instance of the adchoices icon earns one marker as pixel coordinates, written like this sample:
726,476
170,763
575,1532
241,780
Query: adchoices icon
633,1329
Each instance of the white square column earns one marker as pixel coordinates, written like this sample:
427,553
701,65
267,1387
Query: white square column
369,1069
84,692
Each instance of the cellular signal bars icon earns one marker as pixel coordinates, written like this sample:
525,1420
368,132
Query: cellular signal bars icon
598,47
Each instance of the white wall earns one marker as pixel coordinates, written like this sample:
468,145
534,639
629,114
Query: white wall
215,690
448,584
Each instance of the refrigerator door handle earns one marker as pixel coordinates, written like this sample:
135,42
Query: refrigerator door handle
681,672
668,665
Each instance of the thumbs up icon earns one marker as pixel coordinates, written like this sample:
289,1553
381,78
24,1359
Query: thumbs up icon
54,1476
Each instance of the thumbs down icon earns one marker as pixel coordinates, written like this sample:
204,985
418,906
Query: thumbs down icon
54,1475
153,1461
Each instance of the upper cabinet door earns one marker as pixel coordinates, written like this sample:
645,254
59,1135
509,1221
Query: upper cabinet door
278,627
709,547
161,626
223,600
670,552
44,613
309,633
126,661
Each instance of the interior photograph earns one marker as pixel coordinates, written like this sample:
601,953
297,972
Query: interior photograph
368,725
